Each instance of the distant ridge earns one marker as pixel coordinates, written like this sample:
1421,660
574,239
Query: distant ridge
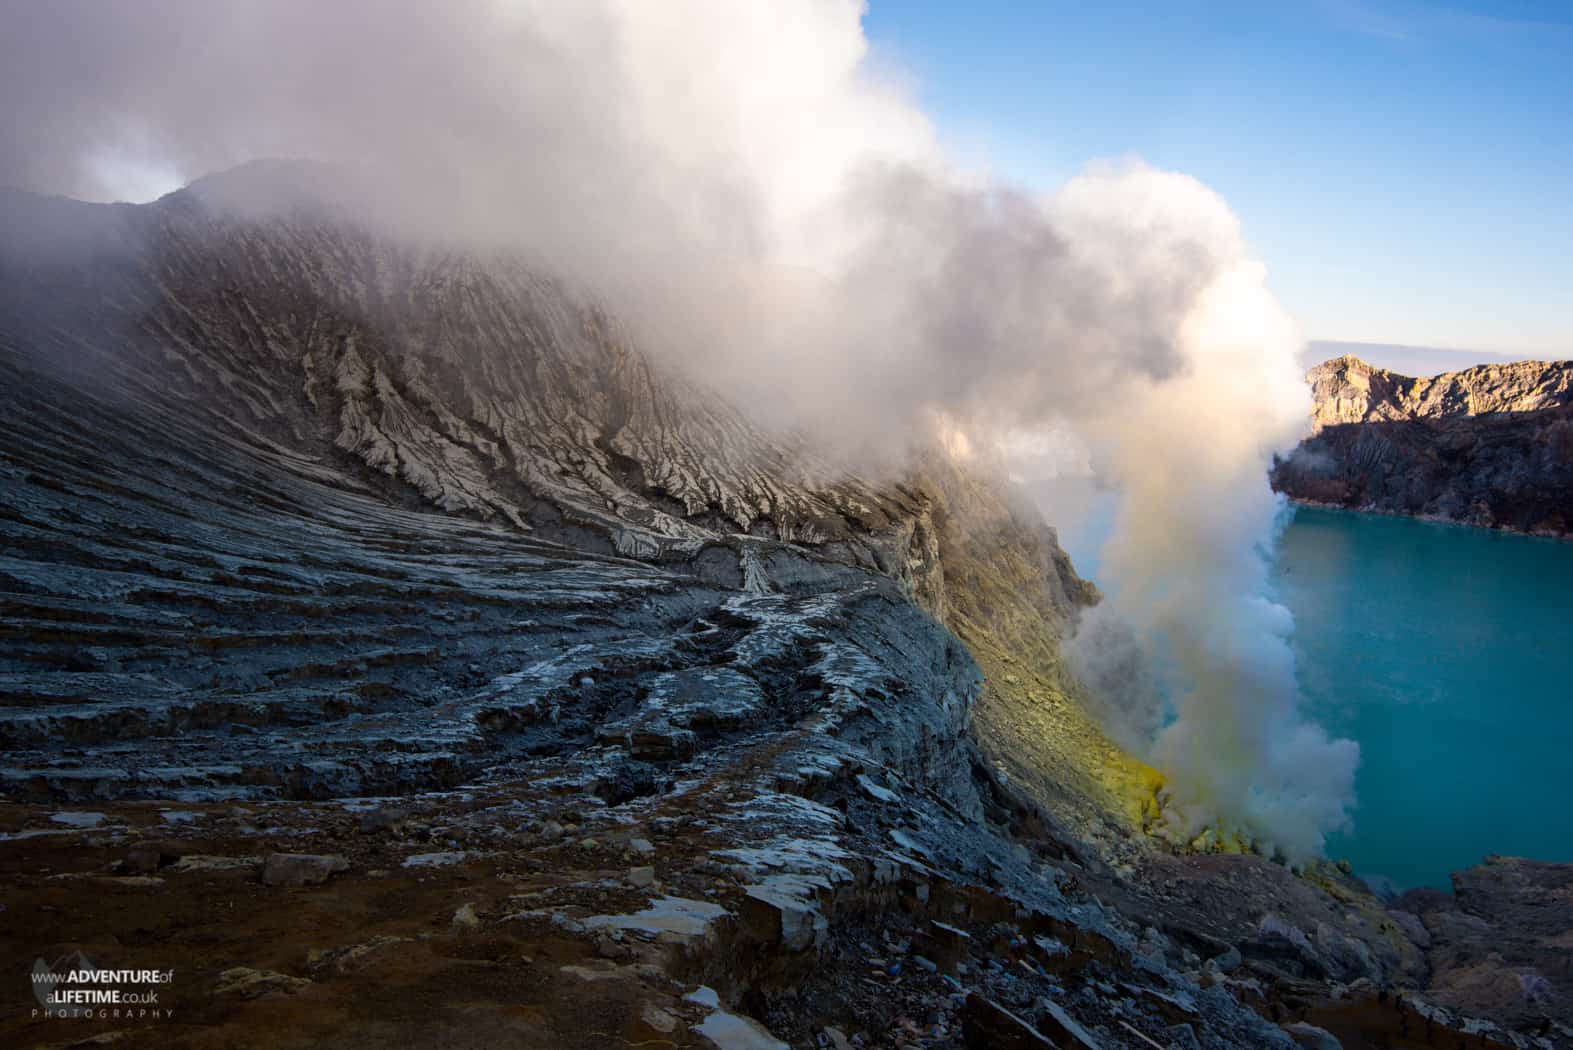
1405,359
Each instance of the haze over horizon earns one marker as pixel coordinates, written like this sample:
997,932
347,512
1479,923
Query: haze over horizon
1413,360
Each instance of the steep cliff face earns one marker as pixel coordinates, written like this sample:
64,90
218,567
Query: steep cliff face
1489,446
302,387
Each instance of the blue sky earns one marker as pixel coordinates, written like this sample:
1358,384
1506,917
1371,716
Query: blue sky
1405,169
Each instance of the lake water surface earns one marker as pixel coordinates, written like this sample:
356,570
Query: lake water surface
1447,653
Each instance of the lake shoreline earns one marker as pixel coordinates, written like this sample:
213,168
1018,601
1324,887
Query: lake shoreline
1433,519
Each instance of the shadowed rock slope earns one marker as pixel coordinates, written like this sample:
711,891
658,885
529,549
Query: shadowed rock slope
1489,446
396,654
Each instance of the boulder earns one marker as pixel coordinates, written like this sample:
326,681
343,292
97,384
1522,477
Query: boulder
301,869
773,915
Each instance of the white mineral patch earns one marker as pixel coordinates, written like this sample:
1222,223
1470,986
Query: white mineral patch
731,1032
674,915
815,858
78,819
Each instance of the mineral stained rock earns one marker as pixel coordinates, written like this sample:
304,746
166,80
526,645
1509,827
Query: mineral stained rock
1489,446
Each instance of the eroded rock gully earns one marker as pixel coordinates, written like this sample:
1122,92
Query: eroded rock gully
396,655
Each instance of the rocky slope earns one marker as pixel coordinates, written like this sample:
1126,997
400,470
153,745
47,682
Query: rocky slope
397,655
1489,446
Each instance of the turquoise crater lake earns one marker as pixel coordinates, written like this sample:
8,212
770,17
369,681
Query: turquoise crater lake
1447,653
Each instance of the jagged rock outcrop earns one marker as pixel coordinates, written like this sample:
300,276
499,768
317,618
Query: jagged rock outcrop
1502,944
598,716
1489,446
334,409
1347,390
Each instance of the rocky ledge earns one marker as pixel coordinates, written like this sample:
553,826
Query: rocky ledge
1490,446
392,652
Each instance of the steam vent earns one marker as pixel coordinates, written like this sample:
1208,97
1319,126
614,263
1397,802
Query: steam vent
787,525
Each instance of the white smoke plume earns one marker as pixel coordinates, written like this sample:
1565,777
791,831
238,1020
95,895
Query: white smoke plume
746,185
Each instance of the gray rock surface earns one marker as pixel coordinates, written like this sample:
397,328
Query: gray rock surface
1502,944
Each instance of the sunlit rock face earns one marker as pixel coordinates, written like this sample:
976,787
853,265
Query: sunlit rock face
1489,446
1347,390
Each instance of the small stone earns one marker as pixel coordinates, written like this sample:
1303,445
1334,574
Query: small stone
836,1039
551,831
247,983
658,1018
588,843
140,860
641,846
301,869
641,878
465,919
147,857
608,948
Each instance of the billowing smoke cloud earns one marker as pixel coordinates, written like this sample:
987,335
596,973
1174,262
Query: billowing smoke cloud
741,181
